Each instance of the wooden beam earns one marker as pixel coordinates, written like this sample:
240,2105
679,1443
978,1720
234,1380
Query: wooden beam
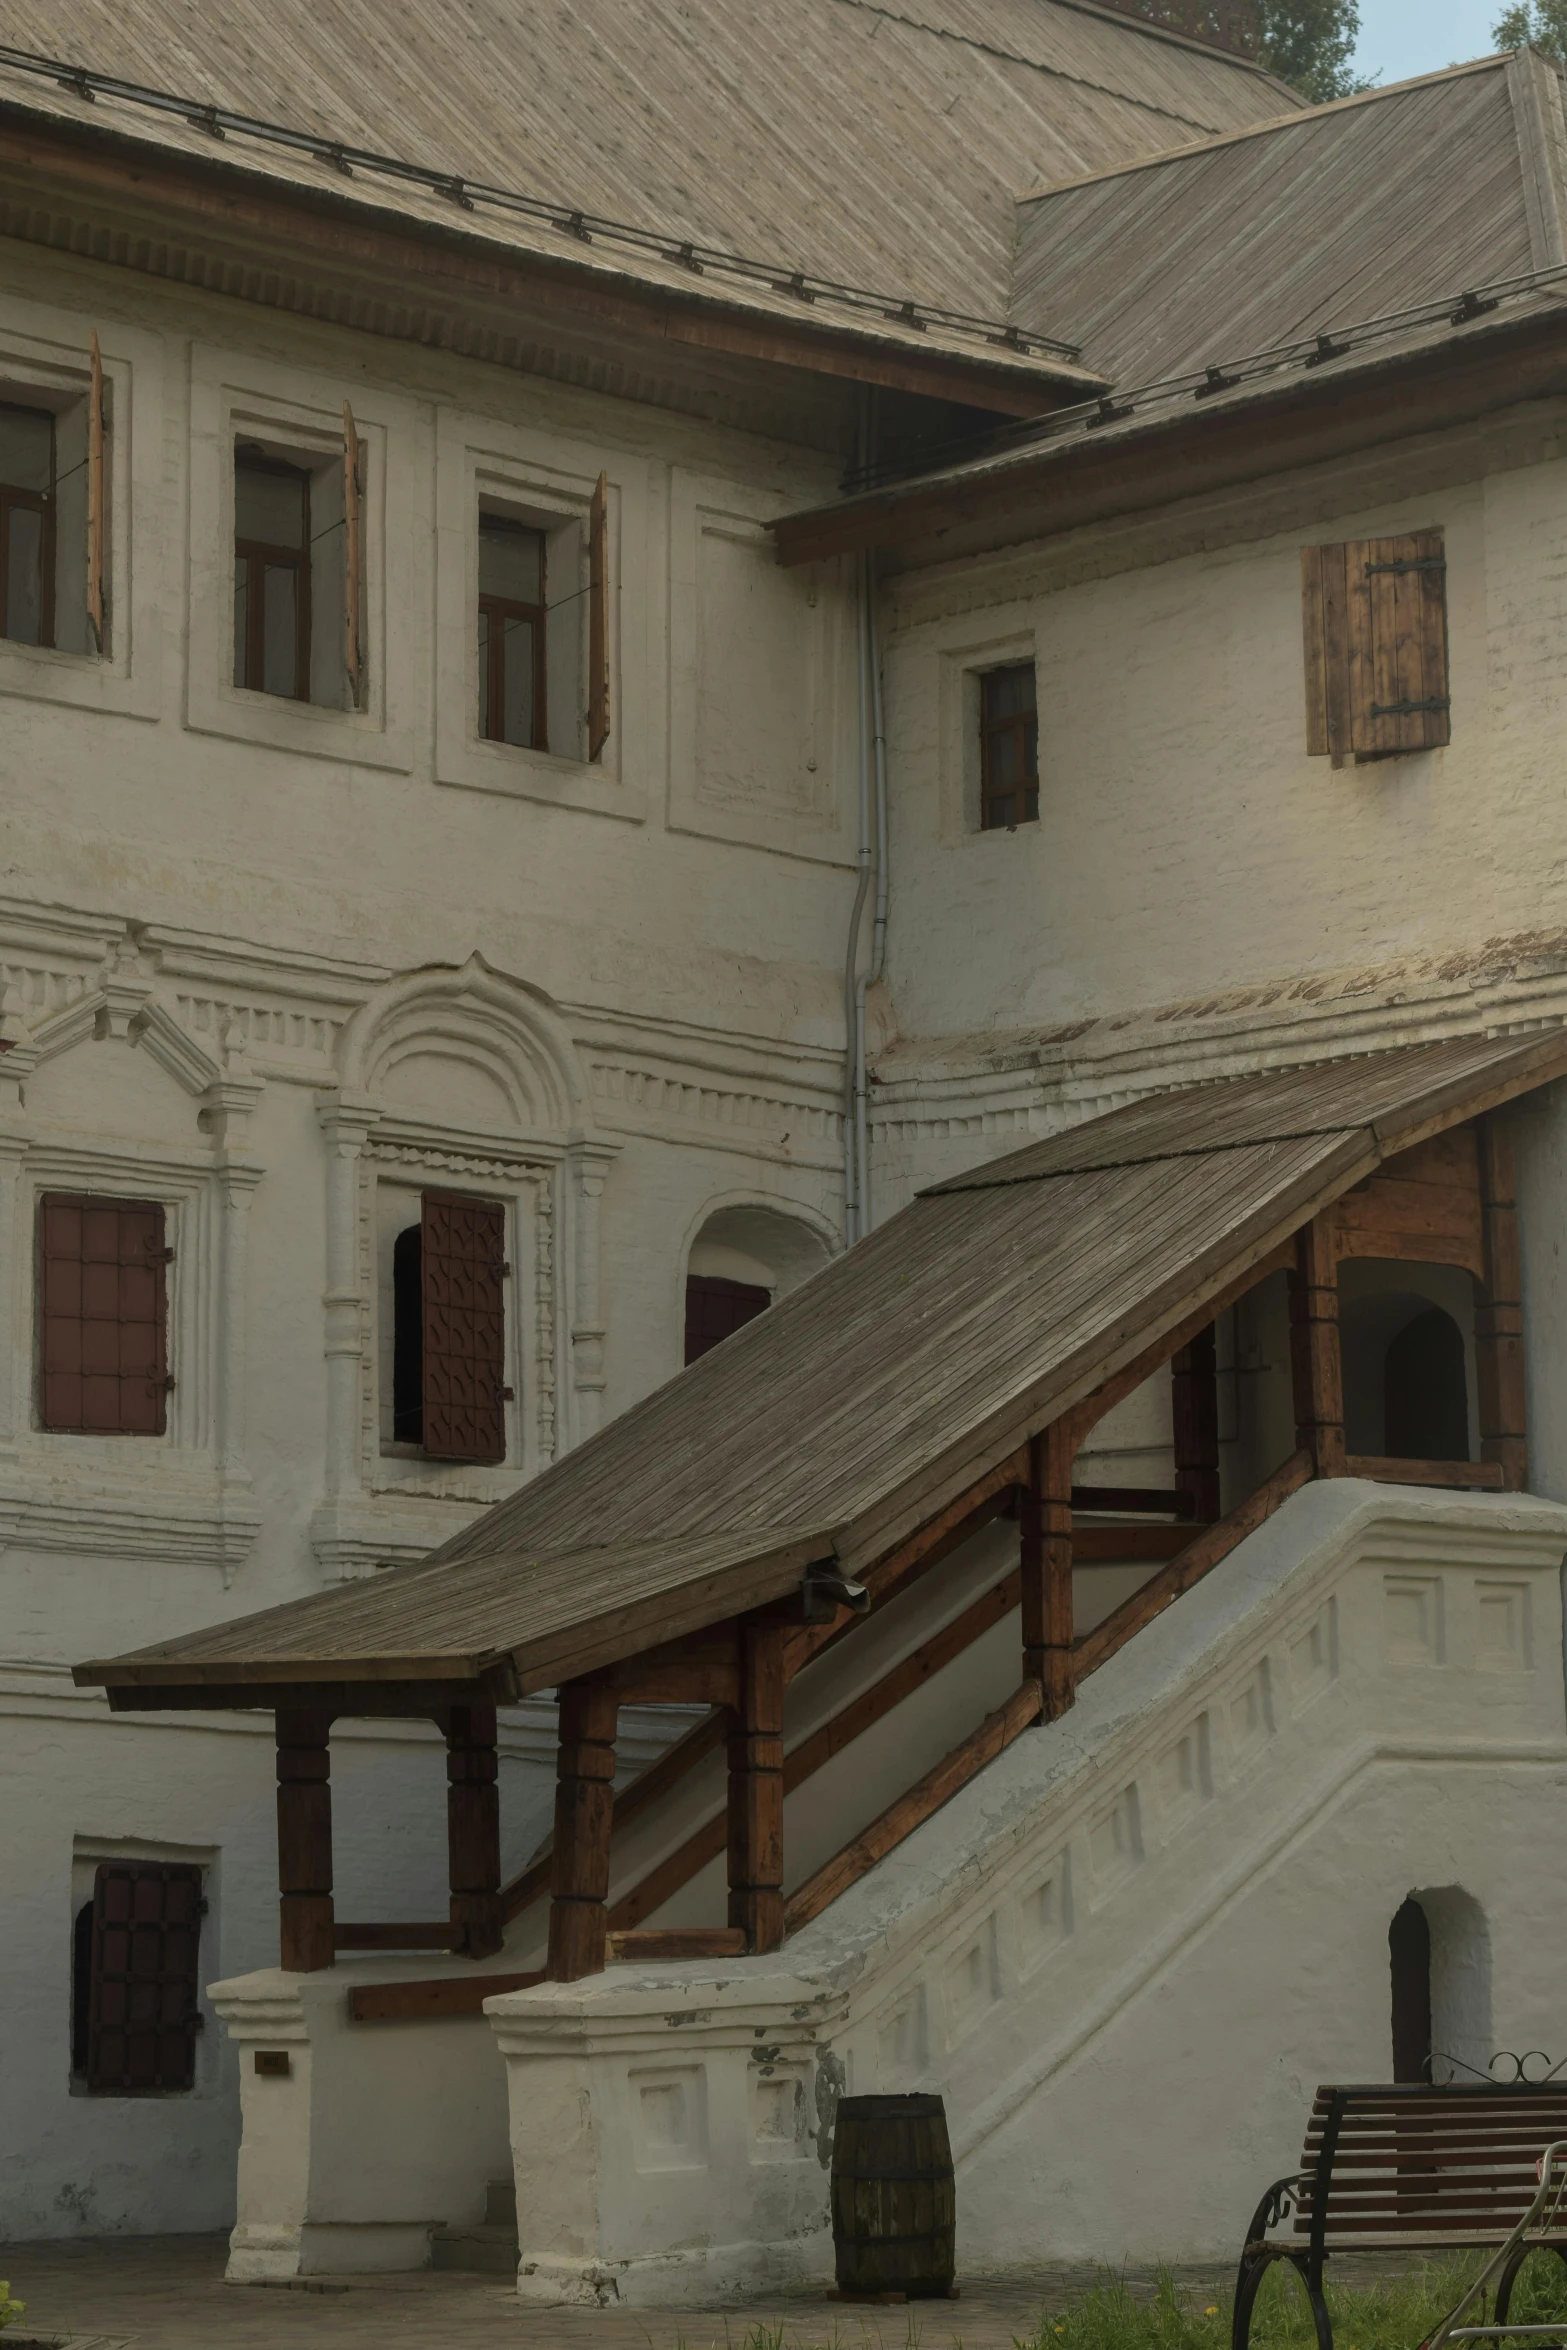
584,1814
1194,1381
371,1699
433,1997
1479,1476
756,1790
304,1839
701,1669
802,1762
389,1937
676,1942
1046,1568
648,1788
473,1830
1196,1560
911,1811
1499,1353
1315,1361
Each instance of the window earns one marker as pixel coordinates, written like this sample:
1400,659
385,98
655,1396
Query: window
299,572
27,525
1375,615
513,671
1409,1952
136,1980
271,576
449,1391
715,1307
103,1348
1008,748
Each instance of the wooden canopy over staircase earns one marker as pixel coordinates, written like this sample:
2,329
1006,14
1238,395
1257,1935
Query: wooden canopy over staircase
714,1541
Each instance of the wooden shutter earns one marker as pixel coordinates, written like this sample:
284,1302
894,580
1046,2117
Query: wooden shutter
1375,615
103,1311
95,535
715,1307
462,1273
598,619
353,563
143,2013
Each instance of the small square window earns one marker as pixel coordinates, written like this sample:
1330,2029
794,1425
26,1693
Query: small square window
136,1980
1008,748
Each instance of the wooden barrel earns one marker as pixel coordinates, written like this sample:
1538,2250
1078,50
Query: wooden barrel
893,2206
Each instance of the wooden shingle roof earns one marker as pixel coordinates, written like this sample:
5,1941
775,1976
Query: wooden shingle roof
867,1400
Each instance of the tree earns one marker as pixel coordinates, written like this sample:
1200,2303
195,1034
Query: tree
1534,24
1310,43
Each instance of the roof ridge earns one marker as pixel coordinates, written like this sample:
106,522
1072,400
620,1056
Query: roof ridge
1497,61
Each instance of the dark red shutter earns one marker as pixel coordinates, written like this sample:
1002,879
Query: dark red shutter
103,1350
714,1308
463,1248
143,2013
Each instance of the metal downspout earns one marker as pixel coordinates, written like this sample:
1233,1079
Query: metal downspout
879,924
853,998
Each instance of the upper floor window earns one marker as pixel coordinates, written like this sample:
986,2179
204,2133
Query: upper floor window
1376,647
1008,748
513,654
449,1271
271,576
103,1315
27,524
299,572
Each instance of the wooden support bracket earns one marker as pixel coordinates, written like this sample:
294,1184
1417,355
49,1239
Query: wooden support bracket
1046,1565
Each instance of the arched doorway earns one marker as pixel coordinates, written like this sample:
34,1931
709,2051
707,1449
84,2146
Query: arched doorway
1409,1953
744,1258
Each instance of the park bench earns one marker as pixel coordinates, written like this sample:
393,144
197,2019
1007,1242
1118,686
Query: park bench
1410,2169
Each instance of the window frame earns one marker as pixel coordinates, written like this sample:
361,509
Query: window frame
257,555
45,504
1013,723
161,1381
492,651
87,2024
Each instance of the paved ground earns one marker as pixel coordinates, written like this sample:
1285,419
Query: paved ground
167,2293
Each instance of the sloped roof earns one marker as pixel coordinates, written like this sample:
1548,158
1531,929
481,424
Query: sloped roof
880,146
861,1405
1375,205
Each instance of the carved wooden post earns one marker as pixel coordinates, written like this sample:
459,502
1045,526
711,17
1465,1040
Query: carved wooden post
756,1790
304,1837
1046,1560
473,1828
1195,1400
584,1815
1314,1347
1499,1357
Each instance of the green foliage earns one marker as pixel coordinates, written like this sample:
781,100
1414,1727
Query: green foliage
1310,45
1534,24
9,2309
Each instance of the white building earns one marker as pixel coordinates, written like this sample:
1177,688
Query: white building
441,805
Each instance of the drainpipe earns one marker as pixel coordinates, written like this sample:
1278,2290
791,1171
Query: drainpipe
872,852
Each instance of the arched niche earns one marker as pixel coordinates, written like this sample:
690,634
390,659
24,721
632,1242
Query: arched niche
1407,1339
472,1047
1439,1956
743,1257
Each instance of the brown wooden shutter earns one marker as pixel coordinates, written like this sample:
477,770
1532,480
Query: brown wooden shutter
95,535
143,2011
103,1353
598,619
463,1247
715,1307
353,562
1376,646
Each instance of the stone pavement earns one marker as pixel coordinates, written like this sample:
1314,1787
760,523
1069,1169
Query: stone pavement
167,2293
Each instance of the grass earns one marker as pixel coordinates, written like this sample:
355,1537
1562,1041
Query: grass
1395,2314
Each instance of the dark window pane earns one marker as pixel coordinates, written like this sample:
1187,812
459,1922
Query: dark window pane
241,608
1004,760
1031,807
511,561
27,449
485,727
279,630
999,813
517,660
24,580
270,504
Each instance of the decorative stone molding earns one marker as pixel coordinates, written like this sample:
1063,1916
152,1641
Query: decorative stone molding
206,1526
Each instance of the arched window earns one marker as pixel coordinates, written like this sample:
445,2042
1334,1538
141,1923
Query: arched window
741,1260
1406,1332
1409,1951
1426,1394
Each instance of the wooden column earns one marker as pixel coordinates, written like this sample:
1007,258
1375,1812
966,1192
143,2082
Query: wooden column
584,1814
756,1790
1314,1347
304,1837
1499,1358
473,1828
1046,1560
1194,1378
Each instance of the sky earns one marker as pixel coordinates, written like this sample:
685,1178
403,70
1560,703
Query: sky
1401,37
